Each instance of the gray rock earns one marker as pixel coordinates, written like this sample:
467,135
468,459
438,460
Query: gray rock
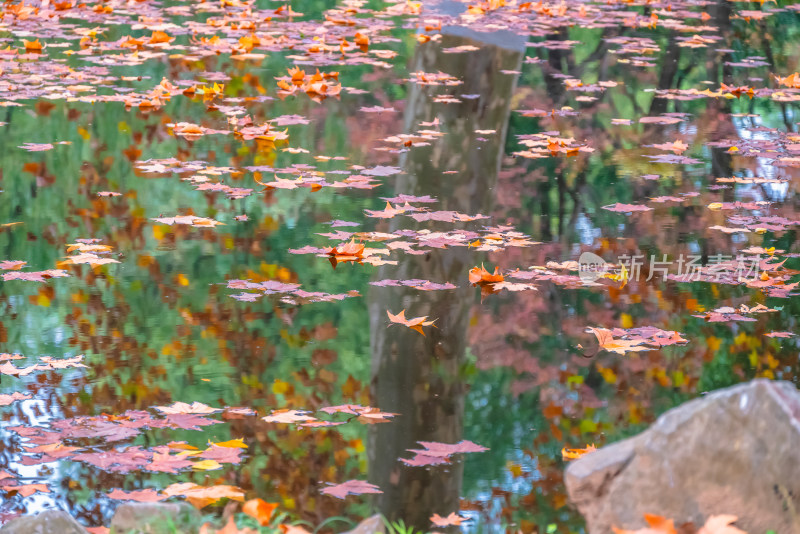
155,518
48,522
371,525
735,451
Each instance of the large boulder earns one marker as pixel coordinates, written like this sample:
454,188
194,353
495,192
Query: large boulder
735,451
155,518
48,522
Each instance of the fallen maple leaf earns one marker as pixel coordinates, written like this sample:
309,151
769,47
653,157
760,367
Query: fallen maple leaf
451,520
779,334
415,323
436,453
620,346
160,37
288,416
184,408
351,251
201,496
26,490
11,265
207,465
625,208
482,276
35,276
678,147
165,462
232,443
351,487
571,454
32,46
6,399
260,510
145,495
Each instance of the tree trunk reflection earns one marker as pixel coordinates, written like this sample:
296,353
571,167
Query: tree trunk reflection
415,376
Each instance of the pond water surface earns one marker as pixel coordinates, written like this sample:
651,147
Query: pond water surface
183,233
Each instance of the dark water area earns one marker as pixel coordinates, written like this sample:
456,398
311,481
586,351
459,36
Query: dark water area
199,226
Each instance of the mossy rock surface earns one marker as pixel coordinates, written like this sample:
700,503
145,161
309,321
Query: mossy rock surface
48,522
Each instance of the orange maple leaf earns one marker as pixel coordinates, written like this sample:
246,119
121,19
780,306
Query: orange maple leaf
572,454
415,323
793,80
362,41
32,46
620,346
348,251
297,75
160,37
260,510
453,519
482,276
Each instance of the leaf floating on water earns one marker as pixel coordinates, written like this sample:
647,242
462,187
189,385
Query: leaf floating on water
260,510
627,208
780,334
482,276
351,487
37,276
572,454
201,496
288,416
207,465
190,220
184,408
415,323
233,444
435,453
453,519
6,399
145,495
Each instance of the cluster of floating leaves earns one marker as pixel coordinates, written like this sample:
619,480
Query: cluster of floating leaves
97,441
76,63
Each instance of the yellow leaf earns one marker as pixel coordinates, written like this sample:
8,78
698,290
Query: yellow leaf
232,443
207,465
279,387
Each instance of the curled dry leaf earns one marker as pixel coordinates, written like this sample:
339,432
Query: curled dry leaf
260,510
415,323
482,276
572,454
351,487
450,520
